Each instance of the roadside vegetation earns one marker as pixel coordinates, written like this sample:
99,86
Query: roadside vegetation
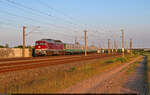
6,46
133,66
51,80
147,55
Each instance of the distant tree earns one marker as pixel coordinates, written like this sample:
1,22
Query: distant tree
6,46
1,46
20,46
28,46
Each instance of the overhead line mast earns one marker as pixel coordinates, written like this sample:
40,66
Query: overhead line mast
131,46
23,46
123,50
85,38
108,46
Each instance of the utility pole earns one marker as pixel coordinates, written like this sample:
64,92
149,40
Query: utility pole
100,48
122,42
85,38
112,48
23,49
108,46
127,46
75,39
131,46
115,46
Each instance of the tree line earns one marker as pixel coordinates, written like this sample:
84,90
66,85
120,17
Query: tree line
19,46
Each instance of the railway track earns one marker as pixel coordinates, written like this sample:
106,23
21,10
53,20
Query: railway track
34,58
30,64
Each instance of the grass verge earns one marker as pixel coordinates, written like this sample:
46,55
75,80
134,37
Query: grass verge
147,54
52,81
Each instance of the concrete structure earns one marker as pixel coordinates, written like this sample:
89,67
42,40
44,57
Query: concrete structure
14,52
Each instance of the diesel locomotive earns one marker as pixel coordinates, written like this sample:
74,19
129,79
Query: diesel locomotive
57,47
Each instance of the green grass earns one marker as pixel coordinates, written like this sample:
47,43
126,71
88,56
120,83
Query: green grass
121,59
132,67
109,61
147,69
71,69
147,54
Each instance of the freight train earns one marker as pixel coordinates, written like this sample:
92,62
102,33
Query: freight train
57,47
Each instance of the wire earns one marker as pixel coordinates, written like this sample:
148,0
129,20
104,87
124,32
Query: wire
56,10
31,12
30,19
6,23
59,33
37,11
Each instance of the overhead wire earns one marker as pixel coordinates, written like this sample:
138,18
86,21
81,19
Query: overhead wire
28,8
31,19
58,11
30,11
15,26
37,11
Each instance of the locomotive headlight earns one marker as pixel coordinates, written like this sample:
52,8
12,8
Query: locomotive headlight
39,47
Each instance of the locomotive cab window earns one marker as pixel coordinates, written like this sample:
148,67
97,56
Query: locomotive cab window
42,43
37,44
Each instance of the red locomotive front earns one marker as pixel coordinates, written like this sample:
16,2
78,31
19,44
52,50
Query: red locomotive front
49,47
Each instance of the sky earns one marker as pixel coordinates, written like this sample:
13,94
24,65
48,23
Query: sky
67,19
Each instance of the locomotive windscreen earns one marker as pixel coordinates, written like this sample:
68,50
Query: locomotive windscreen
48,40
58,41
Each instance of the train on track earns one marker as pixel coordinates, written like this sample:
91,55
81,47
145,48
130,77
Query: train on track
57,47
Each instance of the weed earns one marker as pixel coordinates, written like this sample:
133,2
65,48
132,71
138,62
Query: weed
121,59
71,69
132,67
109,61
86,68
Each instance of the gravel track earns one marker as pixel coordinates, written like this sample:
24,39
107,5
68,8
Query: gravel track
137,81
108,82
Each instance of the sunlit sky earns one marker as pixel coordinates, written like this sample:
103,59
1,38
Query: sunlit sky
65,19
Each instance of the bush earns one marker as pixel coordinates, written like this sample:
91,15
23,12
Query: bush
121,59
86,68
109,61
71,69
2,46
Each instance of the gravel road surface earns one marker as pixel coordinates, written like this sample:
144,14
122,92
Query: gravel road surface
114,81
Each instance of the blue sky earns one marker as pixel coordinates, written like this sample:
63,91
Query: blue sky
65,19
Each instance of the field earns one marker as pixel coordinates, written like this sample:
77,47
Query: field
56,78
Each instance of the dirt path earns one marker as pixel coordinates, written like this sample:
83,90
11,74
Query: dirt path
137,81
123,83
113,82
